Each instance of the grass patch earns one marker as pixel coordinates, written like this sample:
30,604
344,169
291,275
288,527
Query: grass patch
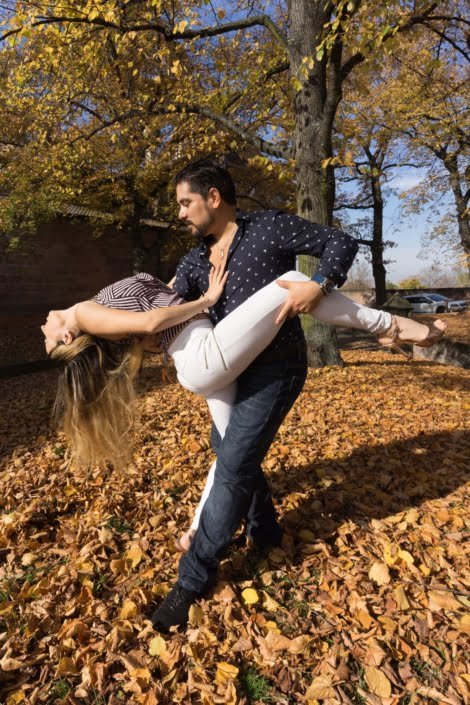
58,691
256,686
118,524
428,674
100,583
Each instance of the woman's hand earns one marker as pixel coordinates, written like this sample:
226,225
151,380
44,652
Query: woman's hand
217,281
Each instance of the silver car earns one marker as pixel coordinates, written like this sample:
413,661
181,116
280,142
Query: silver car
435,303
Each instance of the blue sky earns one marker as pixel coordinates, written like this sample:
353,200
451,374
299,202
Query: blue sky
408,258
407,235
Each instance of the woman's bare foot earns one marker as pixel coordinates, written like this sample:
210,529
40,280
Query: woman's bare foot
184,542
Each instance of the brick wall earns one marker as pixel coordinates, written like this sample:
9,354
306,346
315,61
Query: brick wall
62,264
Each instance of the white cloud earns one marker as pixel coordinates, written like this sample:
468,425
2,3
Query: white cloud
406,181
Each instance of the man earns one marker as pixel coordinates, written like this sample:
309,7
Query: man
257,248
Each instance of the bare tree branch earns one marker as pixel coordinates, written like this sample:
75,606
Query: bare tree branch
225,121
167,32
345,206
280,68
181,108
86,109
216,30
448,39
10,143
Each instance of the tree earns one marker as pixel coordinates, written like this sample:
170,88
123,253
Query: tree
435,276
368,154
428,106
284,79
359,276
410,283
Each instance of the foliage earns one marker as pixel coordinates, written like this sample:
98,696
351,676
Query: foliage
436,275
164,82
411,283
157,83
427,105
359,276
368,599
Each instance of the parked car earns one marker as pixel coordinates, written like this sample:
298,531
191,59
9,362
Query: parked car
435,303
454,306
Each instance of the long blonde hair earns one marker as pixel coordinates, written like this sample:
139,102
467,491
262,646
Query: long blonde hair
94,405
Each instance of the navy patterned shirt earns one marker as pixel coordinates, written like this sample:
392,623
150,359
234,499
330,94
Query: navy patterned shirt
264,247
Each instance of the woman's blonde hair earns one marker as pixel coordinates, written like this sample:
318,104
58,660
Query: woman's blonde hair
94,405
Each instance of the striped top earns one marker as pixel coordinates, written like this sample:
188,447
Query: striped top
143,292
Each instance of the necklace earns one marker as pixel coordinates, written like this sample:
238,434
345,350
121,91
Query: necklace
223,250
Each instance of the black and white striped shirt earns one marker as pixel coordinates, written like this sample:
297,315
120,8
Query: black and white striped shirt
142,292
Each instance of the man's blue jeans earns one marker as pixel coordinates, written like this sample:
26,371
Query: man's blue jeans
266,392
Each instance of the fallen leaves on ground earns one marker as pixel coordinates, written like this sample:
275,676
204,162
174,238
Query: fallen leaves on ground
366,602
458,324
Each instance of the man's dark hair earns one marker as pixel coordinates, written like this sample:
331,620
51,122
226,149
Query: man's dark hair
206,174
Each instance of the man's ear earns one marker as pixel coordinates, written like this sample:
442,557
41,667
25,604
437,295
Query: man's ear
68,337
215,197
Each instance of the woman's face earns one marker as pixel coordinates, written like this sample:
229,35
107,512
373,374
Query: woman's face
54,330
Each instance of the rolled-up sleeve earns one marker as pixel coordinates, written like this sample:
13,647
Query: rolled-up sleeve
334,248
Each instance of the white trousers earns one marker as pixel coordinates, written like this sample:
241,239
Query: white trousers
209,359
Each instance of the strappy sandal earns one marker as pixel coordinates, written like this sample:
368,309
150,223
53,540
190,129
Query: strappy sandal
391,338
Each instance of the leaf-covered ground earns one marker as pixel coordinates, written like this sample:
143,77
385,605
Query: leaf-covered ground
368,602
458,324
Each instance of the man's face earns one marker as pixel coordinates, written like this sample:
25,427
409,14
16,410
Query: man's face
195,211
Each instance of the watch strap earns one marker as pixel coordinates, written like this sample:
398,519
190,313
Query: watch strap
326,285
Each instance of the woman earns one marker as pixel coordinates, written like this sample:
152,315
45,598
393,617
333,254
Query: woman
101,343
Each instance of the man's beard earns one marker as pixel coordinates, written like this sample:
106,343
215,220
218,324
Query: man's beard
204,230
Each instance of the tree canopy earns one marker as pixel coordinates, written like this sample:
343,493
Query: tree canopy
105,100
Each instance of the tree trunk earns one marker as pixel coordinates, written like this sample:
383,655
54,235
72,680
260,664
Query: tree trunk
313,129
461,205
377,247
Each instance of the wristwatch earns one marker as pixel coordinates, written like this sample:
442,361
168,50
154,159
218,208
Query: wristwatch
326,285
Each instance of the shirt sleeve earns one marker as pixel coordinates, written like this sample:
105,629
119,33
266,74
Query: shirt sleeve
335,249
103,295
183,284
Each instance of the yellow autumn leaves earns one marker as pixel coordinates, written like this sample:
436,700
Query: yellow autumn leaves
349,612
250,596
393,556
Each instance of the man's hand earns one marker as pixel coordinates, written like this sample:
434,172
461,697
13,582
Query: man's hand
303,297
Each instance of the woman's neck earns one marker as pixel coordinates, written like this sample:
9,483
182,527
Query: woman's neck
70,319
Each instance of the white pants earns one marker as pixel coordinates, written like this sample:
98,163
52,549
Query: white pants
209,359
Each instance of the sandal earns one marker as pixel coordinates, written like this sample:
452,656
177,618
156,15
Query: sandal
393,336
